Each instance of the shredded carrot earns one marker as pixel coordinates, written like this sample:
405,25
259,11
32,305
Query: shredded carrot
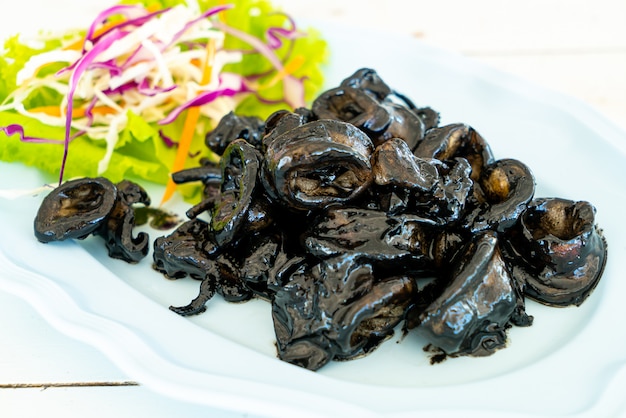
76,113
187,134
289,68
154,7
48,110
98,110
221,15
78,44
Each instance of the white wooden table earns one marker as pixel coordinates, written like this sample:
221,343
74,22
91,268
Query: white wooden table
572,46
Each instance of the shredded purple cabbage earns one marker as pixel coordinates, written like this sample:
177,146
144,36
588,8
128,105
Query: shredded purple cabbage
210,12
96,44
125,10
15,129
275,33
82,64
202,99
169,142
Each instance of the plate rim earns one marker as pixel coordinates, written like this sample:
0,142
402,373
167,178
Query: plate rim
66,320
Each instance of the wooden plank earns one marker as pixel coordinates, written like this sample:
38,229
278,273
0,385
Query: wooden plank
32,352
96,402
573,46
45,372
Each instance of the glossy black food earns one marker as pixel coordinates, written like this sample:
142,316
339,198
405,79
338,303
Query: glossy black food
363,213
354,219
472,313
86,206
557,252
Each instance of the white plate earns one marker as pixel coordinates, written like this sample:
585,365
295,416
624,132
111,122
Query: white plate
570,362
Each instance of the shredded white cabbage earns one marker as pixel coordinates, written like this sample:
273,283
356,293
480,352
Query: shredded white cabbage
32,66
151,56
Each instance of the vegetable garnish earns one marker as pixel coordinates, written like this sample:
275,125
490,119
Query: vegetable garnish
121,92
190,123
